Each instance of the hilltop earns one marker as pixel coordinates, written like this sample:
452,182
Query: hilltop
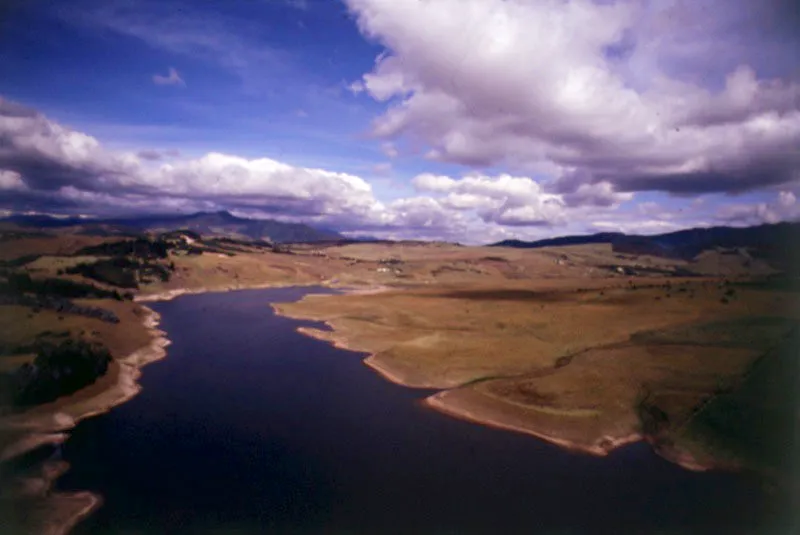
219,224
774,243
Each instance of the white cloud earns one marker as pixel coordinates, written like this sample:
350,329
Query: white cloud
651,226
57,165
784,207
786,199
45,156
502,199
9,180
588,89
429,182
173,78
263,181
46,165
597,194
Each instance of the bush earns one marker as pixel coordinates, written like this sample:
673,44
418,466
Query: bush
122,272
119,272
139,247
20,283
59,370
651,417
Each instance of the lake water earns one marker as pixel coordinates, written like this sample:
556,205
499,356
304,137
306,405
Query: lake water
249,427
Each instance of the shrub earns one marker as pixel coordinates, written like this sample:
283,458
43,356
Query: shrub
59,370
20,283
139,247
122,272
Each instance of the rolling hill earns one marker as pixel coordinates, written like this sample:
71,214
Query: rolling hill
775,243
206,223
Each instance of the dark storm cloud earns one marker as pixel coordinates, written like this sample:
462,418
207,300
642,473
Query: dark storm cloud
761,175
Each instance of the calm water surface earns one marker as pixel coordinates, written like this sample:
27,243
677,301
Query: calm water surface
248,427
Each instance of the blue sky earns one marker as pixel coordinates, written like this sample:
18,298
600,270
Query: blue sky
538,118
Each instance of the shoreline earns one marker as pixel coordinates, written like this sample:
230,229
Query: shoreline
169,295
67,509
437,403
340,341
605,446
686,460
94,501
52,426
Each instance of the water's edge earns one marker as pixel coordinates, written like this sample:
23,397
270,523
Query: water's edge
156,350
51,428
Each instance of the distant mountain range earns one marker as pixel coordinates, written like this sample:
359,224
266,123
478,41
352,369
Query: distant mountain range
206,223
778,243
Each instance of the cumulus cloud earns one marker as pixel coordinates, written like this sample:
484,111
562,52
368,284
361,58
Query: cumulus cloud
172,78
784,207
646,226
50,160
597,194
503,199
46,166
47,155
9,180
610,107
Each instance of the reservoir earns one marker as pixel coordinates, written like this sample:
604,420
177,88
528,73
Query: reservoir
248,427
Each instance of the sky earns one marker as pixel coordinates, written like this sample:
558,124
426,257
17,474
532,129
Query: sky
460,120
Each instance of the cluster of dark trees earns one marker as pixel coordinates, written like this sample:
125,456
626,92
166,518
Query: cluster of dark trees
19,261
58,304
122,272
149,248
54,294
57,370
23,283
143,248
45,337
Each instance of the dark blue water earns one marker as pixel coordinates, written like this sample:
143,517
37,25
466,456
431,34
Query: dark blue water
248,427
